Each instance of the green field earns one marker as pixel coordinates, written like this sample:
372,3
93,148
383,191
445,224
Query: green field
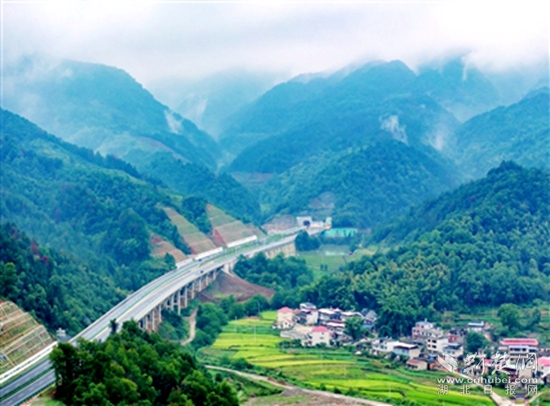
333,369
333,257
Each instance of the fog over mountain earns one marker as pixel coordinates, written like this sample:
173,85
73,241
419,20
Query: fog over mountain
152,41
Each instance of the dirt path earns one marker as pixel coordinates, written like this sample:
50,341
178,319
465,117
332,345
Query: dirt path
192,320
348,399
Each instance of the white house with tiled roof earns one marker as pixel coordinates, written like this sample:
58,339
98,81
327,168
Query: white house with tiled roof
318,335
285,318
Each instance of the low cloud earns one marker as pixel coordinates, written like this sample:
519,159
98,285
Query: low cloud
174,124
192,40
397,131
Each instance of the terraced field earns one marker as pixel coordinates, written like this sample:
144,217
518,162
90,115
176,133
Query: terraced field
226,229
253,339
196,240
162,247
20,336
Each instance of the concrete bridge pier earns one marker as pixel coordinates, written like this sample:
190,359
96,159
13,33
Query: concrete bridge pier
184,297
148,324
176,300
288,250
228,267
157,317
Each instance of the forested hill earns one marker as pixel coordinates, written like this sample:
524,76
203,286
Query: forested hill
485,243
364,187
57,288
75,199
79,204
497,203
103,108
369,139
520,132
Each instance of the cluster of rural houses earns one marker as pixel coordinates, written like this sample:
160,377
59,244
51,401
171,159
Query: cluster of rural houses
313,326
427,348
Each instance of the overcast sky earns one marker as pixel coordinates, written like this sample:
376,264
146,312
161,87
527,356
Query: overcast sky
156,40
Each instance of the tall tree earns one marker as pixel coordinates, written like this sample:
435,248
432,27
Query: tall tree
354,327
510,317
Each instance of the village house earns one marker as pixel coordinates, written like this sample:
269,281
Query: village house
435,344
455,336
347,315
424,329
308,314
383,346
476,327
519,347
405,350
285,318
337,326
543,368
318,335
369,319
454,349
327,314
417,364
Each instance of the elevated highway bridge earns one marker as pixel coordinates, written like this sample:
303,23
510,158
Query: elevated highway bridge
173,290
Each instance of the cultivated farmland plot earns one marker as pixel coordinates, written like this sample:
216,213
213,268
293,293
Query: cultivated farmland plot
334,368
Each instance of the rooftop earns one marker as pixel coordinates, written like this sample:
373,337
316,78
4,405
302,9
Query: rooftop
520,341
329,311
319,329
308,305
405,345
285,310
415,361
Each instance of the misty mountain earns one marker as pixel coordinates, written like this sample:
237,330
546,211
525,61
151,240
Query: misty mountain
415,121
519,132
102,108
105,109
514,84
343,126
463,90
210,100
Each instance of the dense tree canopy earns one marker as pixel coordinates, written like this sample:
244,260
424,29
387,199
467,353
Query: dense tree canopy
134,368
57,288
277,273
484,244
304,242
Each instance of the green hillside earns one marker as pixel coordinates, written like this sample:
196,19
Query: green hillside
362,187
483,244
103,108
90,218
226,229
519,132
360,147
135,368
